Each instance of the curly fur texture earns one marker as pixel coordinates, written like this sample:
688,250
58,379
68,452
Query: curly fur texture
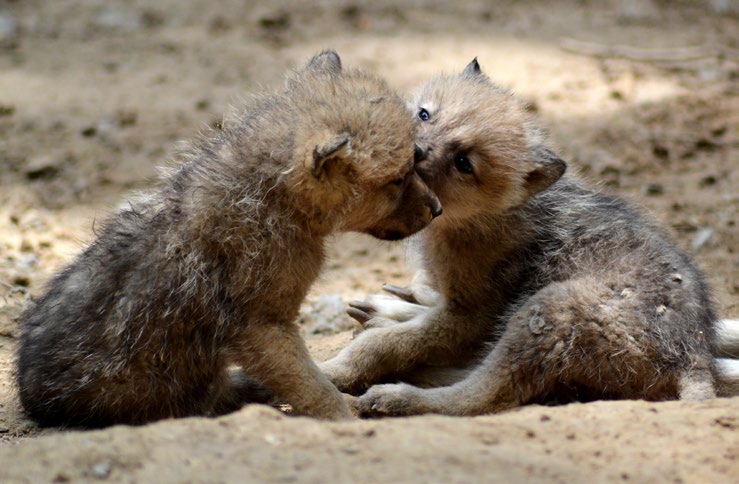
208,269
549,291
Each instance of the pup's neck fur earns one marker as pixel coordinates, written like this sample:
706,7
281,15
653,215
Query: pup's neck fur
487,246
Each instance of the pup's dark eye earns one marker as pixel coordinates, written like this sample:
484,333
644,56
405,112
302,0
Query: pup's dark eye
463,164
423,115
398,181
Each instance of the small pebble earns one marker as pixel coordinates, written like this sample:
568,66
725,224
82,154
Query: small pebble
61,477
707,181
278,20
43,167
701,237
118,21
101,470
660,151
652,189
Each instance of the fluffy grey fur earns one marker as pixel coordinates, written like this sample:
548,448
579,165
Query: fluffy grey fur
548,291
207,270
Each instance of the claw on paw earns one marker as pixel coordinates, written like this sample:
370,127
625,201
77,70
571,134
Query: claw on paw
363,306
402,292
388,400
361,316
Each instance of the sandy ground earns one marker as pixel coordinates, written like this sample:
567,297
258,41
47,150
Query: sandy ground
94,95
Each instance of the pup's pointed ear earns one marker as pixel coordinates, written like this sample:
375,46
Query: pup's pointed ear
547,169
327,61
324,152
473,71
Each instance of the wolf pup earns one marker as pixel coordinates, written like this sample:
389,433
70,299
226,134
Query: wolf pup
208,270
540,289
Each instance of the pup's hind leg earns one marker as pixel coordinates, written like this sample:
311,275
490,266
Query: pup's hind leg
577,336
435,337
486,389
696,384
235,389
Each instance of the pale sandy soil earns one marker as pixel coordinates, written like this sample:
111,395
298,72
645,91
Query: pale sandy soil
94,95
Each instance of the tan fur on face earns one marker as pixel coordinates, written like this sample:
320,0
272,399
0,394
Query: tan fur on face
494,135
370,113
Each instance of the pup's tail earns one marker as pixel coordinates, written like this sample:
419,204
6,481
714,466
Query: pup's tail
727,376
727,338
727,363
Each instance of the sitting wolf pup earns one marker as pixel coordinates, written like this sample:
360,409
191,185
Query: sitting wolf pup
547,290
210,268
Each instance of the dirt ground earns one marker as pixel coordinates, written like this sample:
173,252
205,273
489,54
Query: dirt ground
641,97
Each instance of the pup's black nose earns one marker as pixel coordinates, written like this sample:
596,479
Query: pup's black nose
419,153
435,206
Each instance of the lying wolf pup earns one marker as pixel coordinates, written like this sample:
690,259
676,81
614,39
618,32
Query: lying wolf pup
541,290
209,270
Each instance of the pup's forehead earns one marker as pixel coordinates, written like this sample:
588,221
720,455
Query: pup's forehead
385,167
452,96
442,91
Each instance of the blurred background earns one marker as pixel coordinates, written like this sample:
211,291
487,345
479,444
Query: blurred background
640,96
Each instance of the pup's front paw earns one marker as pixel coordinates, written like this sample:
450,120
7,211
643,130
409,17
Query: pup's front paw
392,400
342,376
365,314
381,311
420,291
